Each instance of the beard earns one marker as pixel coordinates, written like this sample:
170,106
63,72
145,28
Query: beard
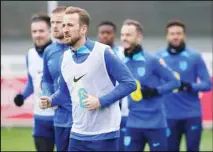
128,51
173,49
59,37
72,42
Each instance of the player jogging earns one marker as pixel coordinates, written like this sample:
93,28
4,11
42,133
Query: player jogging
183,108
146,122
106,35
52,55
90,70
43,131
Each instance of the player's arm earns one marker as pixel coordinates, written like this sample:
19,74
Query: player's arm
203,75
47,81
165,73
119,72
62,95
28,89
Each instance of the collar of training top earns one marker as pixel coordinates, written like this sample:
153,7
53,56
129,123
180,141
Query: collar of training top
40,50
138,48
176,49
86,48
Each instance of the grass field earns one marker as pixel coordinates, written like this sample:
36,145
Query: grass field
20,139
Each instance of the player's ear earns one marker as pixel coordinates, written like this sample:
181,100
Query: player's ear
84,29
139,37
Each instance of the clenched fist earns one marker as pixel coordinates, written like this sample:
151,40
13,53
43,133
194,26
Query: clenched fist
45,102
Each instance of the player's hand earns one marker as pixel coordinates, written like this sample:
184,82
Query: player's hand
55,107
148,92
45,103
19,100
185,86
91,102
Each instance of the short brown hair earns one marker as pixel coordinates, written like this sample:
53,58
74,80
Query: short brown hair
175,23
137,24
41,16
84,16
59,9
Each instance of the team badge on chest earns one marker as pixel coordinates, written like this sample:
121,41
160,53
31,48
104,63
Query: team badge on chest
183,65
141,71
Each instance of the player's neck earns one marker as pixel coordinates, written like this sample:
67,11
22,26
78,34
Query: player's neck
79,44
62,40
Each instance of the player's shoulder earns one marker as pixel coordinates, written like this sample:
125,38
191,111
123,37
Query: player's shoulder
153,58
50,48
162,52
193,51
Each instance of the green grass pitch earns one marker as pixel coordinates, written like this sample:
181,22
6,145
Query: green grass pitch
20,139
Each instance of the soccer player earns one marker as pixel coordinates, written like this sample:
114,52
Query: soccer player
183,108
106,35
89,71
146,121
43,131
51,57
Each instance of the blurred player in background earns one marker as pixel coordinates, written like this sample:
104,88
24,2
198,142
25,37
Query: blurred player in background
106,35
146,121
90,70
52,55
43,119
183,108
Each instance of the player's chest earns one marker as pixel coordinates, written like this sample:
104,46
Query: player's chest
141,70
181,64
53,63
35,67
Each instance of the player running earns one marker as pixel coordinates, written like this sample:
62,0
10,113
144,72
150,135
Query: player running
183,107
43,131
90,70
146,121
106,35
52,54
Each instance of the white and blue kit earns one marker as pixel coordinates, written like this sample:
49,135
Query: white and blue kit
93,69
63,114
43,119
119,51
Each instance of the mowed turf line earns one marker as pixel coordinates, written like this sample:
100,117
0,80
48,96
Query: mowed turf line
20,139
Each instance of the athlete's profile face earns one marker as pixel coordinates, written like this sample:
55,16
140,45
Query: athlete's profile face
40,33
56,25
129,36
175,35
72,29
106,34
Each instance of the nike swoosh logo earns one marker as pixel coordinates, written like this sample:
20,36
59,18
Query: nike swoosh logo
77,79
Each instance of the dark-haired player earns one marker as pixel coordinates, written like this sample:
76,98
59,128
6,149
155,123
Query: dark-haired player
43,131
106,35
183,107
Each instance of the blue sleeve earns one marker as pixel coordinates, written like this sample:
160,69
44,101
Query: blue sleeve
28,90
119,72
165,73
62,95
203,75
47,81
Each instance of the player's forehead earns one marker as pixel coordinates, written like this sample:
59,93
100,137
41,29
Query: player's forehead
175,28
71,18
128,29
39,25
106,27
57,16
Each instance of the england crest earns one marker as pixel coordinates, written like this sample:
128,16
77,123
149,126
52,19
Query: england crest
127,140
183,65
141,71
